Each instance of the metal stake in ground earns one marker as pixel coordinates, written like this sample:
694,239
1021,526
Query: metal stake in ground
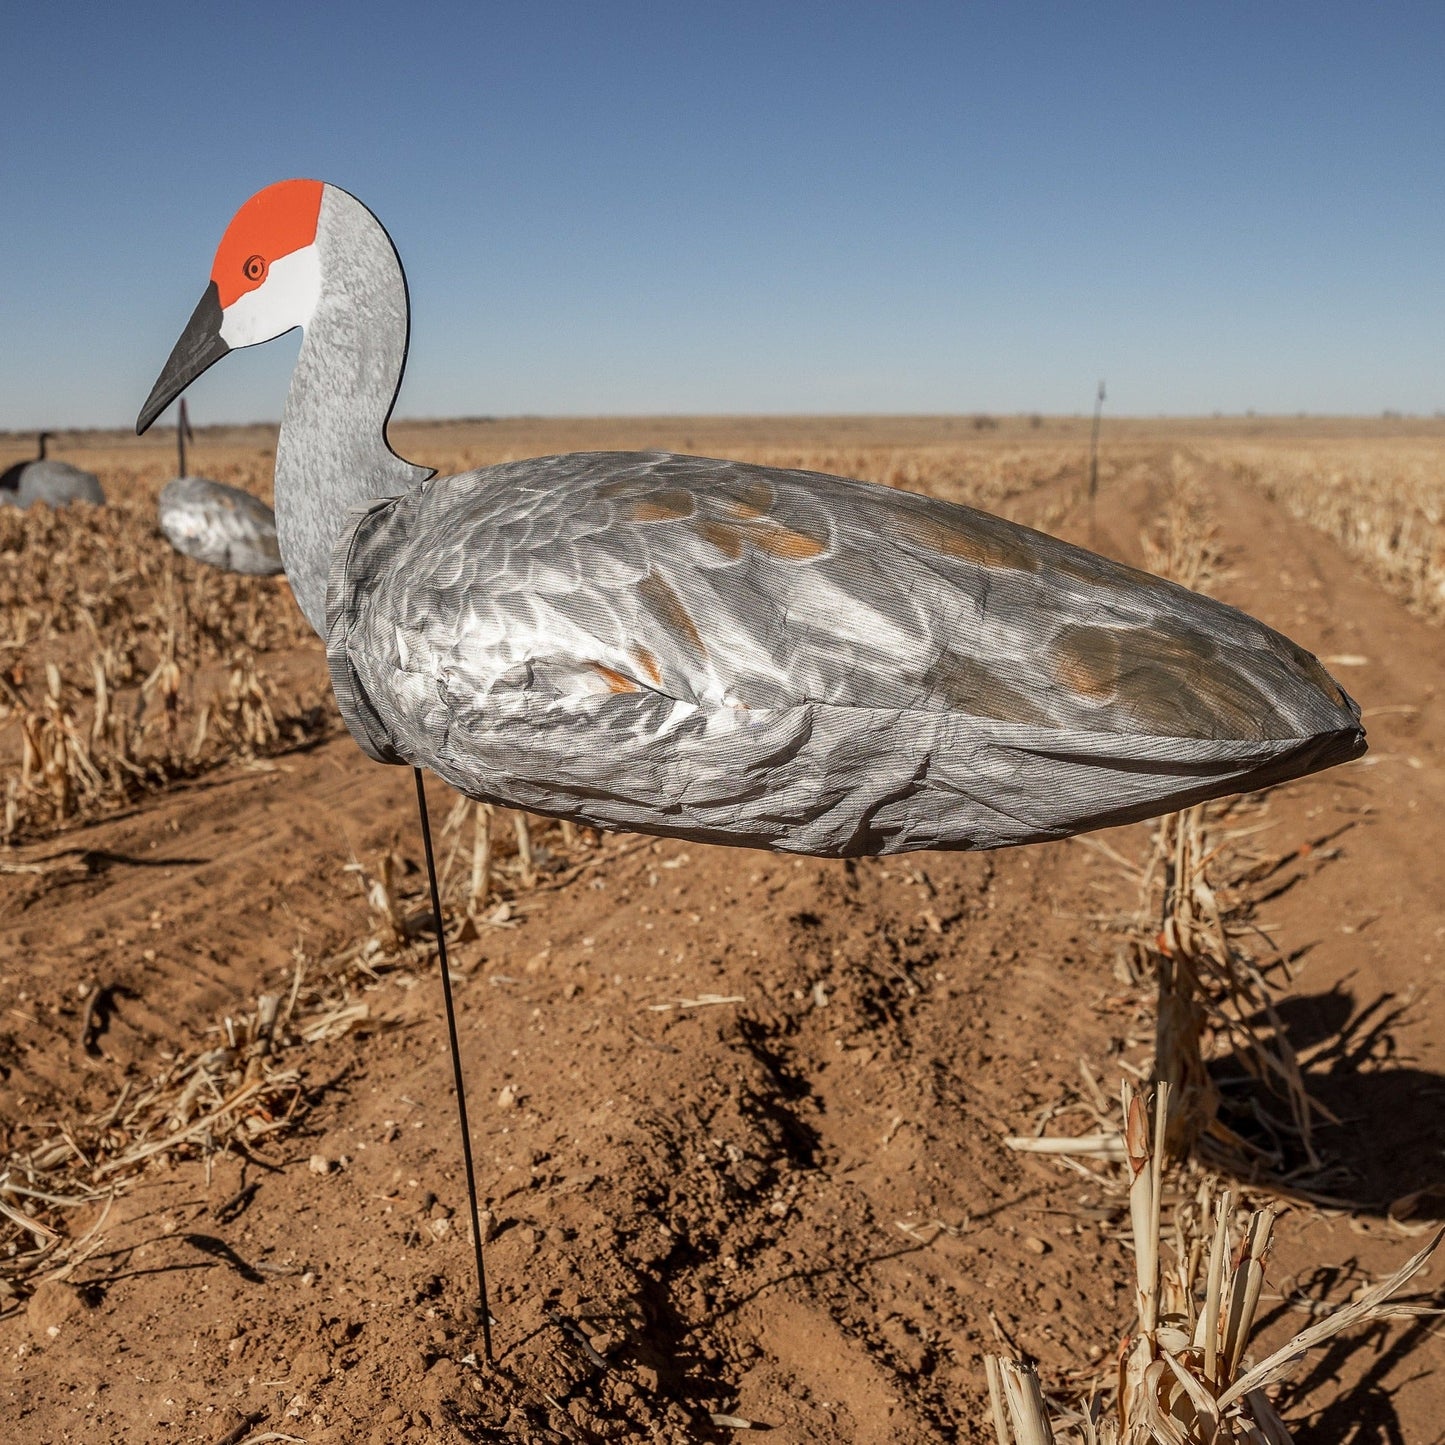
1094,458
183,435
436,904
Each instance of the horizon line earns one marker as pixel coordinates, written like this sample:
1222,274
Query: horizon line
972,417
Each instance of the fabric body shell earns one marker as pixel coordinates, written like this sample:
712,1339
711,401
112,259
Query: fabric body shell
220,525
785,660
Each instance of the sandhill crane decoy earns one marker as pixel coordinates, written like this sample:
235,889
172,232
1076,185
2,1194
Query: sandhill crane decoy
43,479
718,651
220,525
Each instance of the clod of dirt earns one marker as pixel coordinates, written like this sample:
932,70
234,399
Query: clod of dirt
52,1304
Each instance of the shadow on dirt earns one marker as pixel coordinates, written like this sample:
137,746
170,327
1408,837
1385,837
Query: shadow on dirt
1366,1411
1382,1137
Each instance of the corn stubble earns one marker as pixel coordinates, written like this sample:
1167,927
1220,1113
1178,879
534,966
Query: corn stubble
1383,501
1195,934
242,1095
124,668
1185,1372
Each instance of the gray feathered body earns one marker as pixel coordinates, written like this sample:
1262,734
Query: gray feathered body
785,660
220,525
49,481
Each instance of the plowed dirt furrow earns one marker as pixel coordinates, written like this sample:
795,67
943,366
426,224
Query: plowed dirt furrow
183,908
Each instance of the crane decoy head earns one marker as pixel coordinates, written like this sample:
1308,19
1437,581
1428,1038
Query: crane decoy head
265,281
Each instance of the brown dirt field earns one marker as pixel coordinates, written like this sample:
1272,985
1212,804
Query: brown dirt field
794,1206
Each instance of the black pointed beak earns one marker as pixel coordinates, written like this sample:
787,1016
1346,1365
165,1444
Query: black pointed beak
199,348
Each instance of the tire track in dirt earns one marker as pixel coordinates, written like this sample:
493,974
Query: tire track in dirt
179,908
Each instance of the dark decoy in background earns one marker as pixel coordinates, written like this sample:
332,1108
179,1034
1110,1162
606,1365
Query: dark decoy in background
43,479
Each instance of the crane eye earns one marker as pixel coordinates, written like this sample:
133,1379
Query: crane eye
255,268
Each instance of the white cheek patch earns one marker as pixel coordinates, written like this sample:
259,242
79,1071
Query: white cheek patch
284,300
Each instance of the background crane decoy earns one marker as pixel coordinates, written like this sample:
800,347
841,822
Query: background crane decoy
218,524
44,479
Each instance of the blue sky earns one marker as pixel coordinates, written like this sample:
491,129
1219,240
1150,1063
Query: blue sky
686,207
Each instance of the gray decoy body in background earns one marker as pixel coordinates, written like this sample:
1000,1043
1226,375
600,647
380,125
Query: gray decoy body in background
718,651
46,480
219,525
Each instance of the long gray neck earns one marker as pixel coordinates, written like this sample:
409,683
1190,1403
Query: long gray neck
332,452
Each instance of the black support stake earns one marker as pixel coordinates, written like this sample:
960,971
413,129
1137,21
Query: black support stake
436,904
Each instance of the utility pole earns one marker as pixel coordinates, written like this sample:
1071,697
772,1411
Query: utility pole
1094,459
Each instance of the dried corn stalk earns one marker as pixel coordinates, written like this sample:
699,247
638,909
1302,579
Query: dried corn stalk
484,872
1185,1375
240,717
526,861
1213,1001
65,766
1183,544
389,925
1020,1416
1212,998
